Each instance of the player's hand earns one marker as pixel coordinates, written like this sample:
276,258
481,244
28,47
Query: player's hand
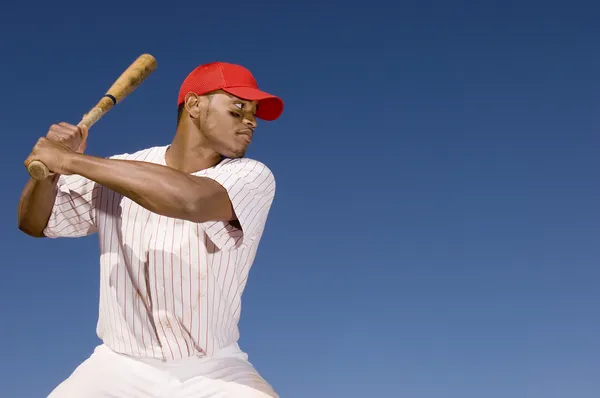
72,136
55,155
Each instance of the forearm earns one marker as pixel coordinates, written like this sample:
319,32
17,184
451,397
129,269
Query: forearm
35,205
158,188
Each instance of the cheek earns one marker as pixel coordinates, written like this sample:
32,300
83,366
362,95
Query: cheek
221,126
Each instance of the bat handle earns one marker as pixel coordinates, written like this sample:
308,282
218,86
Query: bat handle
38,170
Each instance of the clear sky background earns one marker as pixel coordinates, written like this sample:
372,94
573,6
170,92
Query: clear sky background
435,233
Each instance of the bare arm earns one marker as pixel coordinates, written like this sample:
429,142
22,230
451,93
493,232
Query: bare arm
158,188
38,197
35,205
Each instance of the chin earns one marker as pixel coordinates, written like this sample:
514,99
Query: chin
235,153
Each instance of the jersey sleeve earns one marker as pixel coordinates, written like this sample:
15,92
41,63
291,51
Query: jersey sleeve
251,188
73,212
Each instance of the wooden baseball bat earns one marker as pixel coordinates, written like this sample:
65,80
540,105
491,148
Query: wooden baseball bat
129,80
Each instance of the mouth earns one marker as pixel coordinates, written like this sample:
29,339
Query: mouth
246,134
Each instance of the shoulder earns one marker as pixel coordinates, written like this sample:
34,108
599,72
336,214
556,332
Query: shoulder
145,154
242,174
244,166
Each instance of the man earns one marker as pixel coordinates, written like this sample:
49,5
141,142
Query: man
179,226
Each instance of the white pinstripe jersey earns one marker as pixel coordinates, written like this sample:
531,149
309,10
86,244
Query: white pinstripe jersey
169,288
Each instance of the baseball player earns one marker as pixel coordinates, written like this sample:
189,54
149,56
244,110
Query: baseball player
178,227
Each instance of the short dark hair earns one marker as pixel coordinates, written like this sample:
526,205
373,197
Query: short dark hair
180,112
181,107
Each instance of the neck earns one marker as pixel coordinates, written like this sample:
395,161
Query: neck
189,153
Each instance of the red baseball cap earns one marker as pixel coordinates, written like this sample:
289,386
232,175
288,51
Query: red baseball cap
234,79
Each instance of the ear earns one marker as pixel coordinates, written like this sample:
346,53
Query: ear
193,105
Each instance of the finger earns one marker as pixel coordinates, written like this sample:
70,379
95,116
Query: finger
82,146
58,137
29,159
42,141
65,133
56,130
63,136
65,128
68,126
71,127
81,130
33,154
84,131
59,127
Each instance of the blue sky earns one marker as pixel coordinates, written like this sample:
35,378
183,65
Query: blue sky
435,229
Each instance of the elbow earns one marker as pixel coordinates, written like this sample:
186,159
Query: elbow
194,211
213,207
29,228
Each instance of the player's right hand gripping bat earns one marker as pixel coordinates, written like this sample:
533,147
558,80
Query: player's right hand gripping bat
129,80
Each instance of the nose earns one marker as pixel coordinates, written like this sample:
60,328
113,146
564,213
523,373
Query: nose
250,122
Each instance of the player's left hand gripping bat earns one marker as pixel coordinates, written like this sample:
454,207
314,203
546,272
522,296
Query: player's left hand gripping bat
128,81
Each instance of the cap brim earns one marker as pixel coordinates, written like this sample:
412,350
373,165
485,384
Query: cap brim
270,107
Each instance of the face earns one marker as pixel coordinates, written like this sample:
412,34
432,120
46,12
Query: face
226,122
